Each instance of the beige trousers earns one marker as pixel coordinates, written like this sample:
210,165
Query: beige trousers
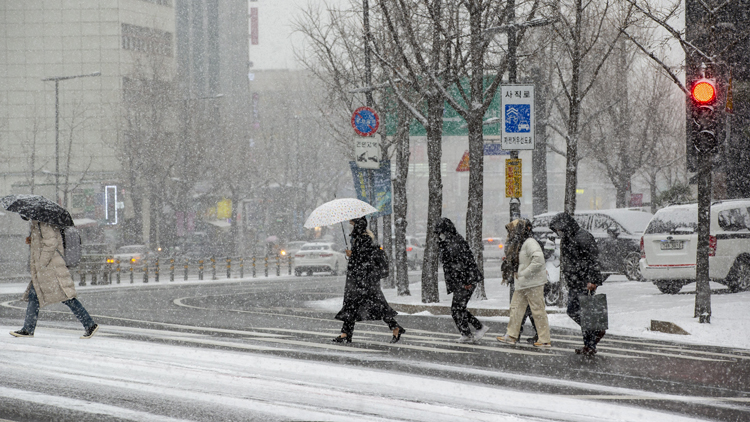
534,298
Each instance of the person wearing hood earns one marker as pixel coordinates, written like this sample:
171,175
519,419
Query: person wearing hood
509,269
530,277
363,298
580,267
51,281
461,278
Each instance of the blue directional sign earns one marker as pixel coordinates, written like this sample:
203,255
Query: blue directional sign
365,121
518,117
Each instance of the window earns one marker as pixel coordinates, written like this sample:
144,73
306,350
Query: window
672,220
147,40
167,3
735,219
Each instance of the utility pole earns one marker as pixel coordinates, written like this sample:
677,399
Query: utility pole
515,203
369,101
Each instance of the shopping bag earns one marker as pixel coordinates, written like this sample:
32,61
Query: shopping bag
594,315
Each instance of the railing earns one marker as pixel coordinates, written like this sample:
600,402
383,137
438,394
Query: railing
113,271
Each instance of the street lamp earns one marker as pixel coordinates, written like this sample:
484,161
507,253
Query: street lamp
57,80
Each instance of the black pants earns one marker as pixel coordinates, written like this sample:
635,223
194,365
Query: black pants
526,314
348,327
574,312
460,315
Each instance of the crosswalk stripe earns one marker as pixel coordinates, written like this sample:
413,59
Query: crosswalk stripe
644,352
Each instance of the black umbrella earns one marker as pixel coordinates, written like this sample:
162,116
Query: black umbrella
37,207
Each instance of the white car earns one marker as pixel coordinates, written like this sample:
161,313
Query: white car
134,254
493,248
669,246
319,257
292,248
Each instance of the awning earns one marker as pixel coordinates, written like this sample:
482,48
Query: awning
84,222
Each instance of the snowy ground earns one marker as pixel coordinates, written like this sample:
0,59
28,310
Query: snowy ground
243,380
632,306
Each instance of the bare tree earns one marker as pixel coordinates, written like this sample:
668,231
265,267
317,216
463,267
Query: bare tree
585,42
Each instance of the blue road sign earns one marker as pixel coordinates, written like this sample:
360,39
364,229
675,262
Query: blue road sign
365,121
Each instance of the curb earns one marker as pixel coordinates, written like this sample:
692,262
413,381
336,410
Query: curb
446,310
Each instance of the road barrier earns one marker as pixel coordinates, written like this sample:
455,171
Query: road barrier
101,272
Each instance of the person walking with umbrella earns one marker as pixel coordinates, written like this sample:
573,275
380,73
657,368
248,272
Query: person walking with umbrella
51,281
461,278
363,298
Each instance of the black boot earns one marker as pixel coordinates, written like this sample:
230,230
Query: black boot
340,339
396,338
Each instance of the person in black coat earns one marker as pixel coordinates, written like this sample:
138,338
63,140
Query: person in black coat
580,267
461,278
363,298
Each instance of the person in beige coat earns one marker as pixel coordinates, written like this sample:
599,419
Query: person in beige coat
529,289
51,281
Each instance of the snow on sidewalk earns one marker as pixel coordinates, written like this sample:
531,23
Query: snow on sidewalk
632,306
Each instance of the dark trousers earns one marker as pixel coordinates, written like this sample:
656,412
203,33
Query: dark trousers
348,327
460,315
526,314
574,312
32,312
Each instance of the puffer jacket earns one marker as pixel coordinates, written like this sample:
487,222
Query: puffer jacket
579,253
49,275
531,268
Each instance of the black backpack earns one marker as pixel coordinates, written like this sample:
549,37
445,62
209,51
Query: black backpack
381,262
71,245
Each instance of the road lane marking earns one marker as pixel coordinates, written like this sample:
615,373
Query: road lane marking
645,352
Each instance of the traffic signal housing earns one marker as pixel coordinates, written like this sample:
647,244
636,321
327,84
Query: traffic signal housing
704,98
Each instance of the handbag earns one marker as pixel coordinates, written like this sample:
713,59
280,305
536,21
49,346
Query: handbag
594,314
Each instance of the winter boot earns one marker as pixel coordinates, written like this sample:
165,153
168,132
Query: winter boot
21,333
90,331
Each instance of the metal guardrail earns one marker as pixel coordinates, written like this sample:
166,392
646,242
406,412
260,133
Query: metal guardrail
109,270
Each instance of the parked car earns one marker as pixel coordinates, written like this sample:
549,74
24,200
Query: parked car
493,248
617,232
414,252
134,254
97,253
318,257
670,243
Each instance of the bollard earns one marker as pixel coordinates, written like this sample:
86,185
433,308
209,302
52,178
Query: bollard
187,263
93,277
171,269
82,276
131,271
145,271
156,271
117,262
213,268
229,267
266,265
253,267
278,266
242,267
289,261
200,269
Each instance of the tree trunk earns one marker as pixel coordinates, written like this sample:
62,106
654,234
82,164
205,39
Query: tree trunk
400,200
387,232
474,209
435,198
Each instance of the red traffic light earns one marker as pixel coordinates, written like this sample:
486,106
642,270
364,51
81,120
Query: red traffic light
704,92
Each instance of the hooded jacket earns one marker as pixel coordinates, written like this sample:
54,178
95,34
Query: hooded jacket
580,255
459,266
363,298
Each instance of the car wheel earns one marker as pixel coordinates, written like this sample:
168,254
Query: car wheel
418,264
310,273
671,288
297,273
740,276
552,292
335,270
632,267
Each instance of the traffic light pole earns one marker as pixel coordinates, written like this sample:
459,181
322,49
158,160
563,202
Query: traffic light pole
702,288
515,203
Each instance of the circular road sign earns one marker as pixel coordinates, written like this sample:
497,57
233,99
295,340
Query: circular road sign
365,121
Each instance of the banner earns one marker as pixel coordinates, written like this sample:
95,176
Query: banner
381,192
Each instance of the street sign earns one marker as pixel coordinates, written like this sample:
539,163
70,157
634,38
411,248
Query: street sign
517,129
513,178
365,121
367,153
463,165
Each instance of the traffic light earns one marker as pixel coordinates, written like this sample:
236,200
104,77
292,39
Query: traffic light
704,96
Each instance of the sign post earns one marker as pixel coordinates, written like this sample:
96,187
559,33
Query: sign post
516,133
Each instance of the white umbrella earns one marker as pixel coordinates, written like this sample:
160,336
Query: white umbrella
338,211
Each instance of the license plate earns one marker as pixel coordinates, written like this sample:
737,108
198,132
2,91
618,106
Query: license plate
672,245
